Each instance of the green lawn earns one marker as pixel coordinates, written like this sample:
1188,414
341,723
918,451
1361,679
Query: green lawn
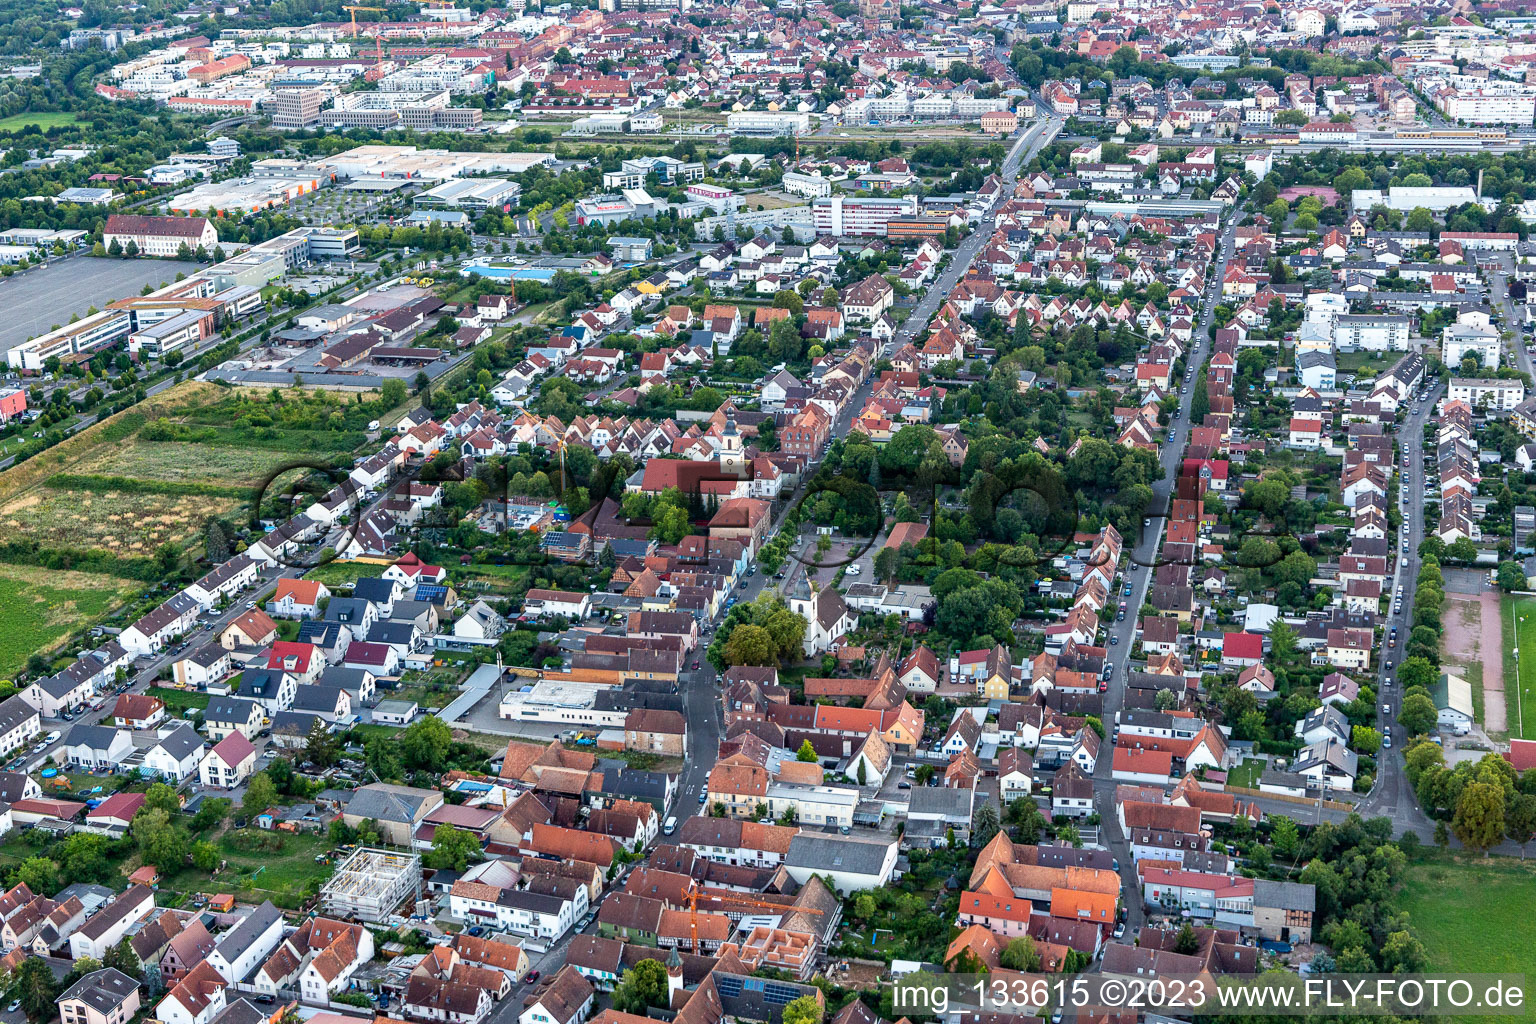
1517,617
1246,774
177,701
344,574
45,606
259,865
1472,915
43,120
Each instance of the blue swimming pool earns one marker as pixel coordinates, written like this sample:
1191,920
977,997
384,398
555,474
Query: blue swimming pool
512,273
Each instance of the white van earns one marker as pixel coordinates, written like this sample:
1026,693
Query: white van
373,425
670,826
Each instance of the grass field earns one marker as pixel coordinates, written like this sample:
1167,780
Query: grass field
1472,915
43,120
1246,774
177,701
253,872
44,605
182,462
115,521
344,574
1517,617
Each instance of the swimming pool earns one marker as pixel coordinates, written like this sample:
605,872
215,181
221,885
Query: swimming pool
512,273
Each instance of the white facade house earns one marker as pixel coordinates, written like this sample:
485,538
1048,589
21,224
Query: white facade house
19,723
177,754
1489,393
108,925
229,763
1371,333
239,950
1463,339
513,910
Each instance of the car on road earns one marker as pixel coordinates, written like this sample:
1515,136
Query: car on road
1386,741
1103,686
532,977
903,784
1113,640
703,798
15,1005
1127,593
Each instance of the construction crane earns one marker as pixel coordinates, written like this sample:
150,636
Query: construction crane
354,9
695,893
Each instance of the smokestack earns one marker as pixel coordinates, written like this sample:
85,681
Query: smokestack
1479,183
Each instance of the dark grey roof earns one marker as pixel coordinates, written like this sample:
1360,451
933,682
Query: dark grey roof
392,632
348,609
181,741
373,588
233,943
953,804
229,709
12,786
294,723
317,698
1284,895
838,853
97,737
384,802
240,1012
13,712
105,990
344,677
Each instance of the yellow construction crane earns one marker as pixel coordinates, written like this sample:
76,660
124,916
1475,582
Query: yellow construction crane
354,9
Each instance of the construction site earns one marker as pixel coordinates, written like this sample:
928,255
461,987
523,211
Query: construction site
370,885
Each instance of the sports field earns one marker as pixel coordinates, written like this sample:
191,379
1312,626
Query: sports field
1484,928
43,120
1519,631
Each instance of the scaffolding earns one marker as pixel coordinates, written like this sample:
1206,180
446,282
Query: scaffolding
370,884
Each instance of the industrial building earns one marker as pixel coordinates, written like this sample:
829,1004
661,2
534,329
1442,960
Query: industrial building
474,194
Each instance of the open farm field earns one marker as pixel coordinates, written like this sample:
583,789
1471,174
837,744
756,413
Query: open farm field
45,605
120,522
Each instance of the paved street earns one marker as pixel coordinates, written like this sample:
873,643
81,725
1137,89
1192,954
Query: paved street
1138,575
1025,148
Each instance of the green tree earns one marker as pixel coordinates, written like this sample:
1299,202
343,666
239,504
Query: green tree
1418,714
986,824
1416,672
1285,838
642,986
1186,942
205,856
750,645
83,858
1511,576
805,1010
164,797
260,793
212,813
39,874
1020,954
160,842
452,848
322,748
424,746
1366,739
1403,954
1520,820
122,957
806,753
34,984
1479,818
